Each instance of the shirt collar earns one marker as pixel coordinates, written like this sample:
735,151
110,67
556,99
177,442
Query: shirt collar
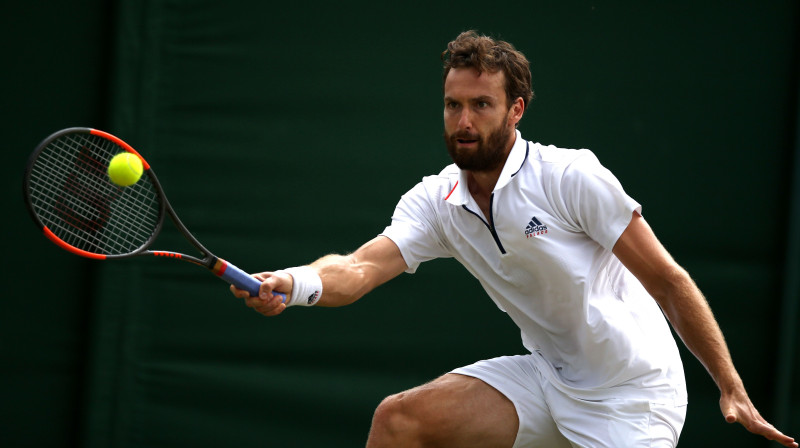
459,195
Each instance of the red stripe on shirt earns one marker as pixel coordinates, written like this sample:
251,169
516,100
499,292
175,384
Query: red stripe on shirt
451,191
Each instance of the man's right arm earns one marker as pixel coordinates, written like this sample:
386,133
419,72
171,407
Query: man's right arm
345,278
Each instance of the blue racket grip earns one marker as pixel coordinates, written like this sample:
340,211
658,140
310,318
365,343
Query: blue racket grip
240,279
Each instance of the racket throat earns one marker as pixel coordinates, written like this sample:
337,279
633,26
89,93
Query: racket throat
217,266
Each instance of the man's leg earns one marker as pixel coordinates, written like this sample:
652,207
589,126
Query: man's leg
453,410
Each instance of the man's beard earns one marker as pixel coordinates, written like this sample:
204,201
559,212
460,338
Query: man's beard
489,153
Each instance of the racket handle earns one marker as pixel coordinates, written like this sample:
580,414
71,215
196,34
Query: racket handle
243,280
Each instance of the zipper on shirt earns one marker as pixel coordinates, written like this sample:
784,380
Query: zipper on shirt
491,228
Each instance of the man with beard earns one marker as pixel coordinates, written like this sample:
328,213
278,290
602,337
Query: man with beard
560,247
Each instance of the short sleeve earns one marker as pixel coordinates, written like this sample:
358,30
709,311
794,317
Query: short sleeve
415,229
596,201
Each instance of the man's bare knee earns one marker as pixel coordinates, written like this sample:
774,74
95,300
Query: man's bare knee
453,410
395,423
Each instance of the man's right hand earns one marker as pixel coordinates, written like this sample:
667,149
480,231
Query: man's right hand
267,303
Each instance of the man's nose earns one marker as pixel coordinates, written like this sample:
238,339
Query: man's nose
465,120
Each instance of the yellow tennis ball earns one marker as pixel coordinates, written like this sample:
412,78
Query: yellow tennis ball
125,169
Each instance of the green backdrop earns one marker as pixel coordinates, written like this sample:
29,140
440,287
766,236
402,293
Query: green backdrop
284,132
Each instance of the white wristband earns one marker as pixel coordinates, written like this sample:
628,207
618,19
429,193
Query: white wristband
306,286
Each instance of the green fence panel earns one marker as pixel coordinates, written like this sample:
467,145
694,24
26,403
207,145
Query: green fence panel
284,132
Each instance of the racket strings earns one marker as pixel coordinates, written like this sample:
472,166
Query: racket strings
72,195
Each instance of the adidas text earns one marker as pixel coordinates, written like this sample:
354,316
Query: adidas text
535,228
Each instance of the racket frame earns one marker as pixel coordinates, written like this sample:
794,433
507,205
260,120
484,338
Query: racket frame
216,265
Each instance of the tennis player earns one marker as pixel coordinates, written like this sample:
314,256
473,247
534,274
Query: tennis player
559,246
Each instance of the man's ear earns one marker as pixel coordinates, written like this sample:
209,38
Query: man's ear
516,111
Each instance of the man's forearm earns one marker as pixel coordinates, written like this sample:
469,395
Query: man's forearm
692,318
347,278
343,280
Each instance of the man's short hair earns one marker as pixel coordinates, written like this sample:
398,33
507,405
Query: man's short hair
485,54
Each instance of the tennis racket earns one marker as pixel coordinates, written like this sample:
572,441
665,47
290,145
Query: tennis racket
71,198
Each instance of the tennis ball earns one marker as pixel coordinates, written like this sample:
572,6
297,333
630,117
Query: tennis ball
125,169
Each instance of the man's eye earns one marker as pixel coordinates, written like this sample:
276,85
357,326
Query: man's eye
483,104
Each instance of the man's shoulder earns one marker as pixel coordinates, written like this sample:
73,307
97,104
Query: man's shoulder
435,187
445,180
552,163
557,156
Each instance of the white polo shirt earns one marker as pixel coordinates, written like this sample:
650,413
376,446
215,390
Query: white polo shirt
545,258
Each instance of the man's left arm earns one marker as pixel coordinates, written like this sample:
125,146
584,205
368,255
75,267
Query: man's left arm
691,317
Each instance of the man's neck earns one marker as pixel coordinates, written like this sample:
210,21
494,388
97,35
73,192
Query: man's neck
481,184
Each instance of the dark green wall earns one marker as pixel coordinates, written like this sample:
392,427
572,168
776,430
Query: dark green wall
55,75
284,133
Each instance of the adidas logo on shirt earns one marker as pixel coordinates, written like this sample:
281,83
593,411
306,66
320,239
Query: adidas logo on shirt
535,228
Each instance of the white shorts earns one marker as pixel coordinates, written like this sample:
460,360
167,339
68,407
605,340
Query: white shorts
551,418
